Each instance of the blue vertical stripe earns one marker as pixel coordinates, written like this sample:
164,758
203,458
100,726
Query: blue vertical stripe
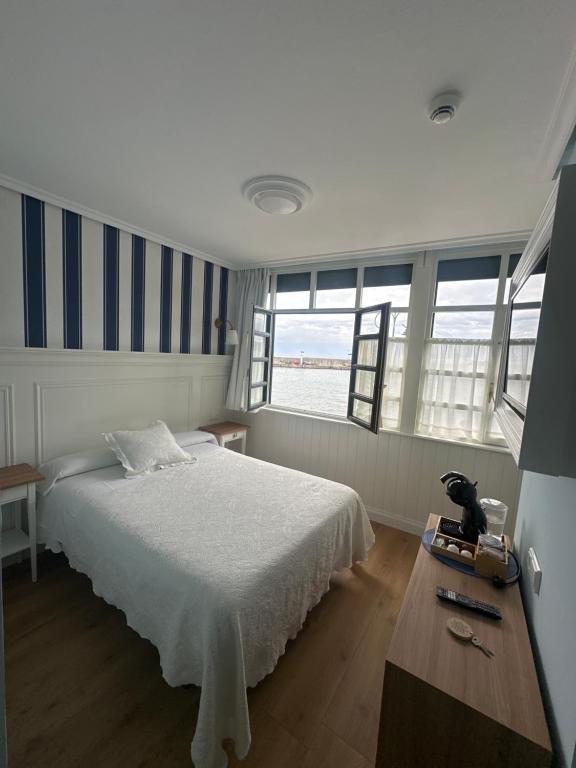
207,314
111,286
186,304
223,310
166,300
34,272
72,279
138,292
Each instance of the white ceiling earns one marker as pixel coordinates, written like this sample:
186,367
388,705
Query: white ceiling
156,113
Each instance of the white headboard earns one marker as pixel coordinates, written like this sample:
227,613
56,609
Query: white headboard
54,402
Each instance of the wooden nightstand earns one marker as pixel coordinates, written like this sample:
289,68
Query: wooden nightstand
227,431
18,483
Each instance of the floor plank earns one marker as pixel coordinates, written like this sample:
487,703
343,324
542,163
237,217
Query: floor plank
328,751
83,689
355,707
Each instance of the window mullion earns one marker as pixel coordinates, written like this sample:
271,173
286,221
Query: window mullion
421,300
273,280
359,285
313,280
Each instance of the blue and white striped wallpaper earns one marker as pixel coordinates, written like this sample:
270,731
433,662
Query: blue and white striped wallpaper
70,282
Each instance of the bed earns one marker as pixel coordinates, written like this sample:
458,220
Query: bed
216,562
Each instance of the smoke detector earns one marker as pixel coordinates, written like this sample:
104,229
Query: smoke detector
443,107
277,194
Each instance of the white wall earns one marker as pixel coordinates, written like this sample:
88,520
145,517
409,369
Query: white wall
547,521
396,475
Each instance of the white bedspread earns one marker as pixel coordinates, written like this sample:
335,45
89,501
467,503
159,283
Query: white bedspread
217,563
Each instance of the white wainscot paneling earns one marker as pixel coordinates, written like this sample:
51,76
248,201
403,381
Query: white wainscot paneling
7,446
6,424
62,400
397,476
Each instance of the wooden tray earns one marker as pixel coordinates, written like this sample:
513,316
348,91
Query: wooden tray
484,565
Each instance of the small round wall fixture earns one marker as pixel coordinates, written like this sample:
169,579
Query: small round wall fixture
277,194
443,107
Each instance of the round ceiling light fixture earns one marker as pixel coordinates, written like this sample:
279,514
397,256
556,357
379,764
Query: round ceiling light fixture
443,107
277,194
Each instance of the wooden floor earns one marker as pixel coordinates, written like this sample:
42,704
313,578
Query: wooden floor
84,690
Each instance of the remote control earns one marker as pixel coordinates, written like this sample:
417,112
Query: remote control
468,602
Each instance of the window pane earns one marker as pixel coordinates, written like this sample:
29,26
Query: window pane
398,324
362,410
399,295
532,290
364,383
336,297
256,395
524,323
367,351
370,322
293,300
259,346
454,390
259,321
390,413
312,362
462,325
455,292
257,372
523,332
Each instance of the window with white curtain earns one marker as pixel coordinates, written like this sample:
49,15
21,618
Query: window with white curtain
446,323
461,350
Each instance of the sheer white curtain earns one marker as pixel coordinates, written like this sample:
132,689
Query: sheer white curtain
393,375
251,290
453,397
520,362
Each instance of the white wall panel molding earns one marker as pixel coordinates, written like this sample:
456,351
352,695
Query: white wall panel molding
63,401
75,357
6,425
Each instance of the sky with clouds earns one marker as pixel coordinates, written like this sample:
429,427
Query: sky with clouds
331,335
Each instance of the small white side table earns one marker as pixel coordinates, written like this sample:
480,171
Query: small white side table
18,483
227,431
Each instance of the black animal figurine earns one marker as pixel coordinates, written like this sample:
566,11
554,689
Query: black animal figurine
463,492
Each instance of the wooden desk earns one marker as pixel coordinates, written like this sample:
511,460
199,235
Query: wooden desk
445,704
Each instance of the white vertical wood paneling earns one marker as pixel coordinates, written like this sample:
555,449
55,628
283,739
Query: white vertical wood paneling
398,476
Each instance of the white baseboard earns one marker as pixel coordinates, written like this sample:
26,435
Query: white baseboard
403,523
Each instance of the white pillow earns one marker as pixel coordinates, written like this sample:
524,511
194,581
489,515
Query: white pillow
145,450
196,436
74,464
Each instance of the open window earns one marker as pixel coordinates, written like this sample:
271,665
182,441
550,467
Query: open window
352,383
367,369
261,347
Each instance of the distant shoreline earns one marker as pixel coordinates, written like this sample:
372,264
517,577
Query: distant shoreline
313,363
